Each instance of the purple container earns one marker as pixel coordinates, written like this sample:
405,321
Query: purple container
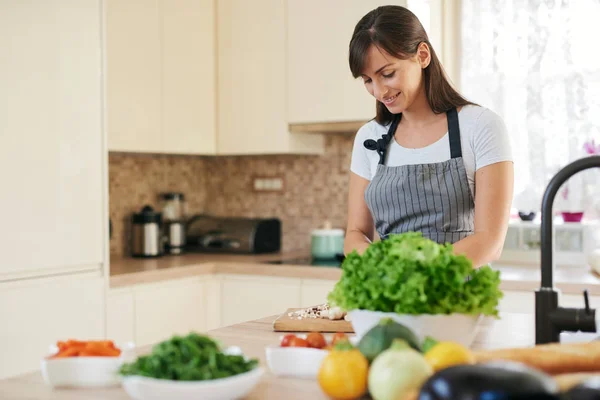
572,216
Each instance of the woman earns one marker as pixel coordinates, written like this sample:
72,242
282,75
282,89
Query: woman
430,161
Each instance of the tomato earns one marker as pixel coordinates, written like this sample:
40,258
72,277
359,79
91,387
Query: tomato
285,342
298,342
344,372
339,336
316,340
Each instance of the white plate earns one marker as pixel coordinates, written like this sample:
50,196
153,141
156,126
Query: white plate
233,387
85,372
459,328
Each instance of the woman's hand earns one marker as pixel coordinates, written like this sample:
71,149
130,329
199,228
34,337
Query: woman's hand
360,228
494,191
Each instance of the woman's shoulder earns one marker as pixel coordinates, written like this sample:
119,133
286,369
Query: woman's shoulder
476,116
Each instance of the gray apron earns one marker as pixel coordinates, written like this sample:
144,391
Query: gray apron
434,199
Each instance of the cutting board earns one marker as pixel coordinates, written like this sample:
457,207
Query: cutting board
285,323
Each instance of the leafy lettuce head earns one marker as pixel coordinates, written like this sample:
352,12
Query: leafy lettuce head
410,274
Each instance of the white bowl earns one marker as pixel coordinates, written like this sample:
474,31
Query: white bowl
85,372
233,387
230,388
460,328
297,362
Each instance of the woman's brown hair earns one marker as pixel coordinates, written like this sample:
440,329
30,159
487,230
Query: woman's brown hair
399,32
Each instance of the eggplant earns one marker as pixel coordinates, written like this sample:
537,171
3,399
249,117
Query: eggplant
588,390
490,381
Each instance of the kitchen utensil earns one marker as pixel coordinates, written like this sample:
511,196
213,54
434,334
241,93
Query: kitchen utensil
146,233
460,328
327,243
287,323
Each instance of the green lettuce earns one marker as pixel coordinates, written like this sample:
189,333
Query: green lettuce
410,274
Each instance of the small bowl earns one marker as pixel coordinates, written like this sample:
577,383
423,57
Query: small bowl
233,387
297,362
572,216
459,328
527,216
84,372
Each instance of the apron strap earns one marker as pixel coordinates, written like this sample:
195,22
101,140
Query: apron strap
454,133
381,145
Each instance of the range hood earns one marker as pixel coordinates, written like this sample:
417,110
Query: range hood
345,127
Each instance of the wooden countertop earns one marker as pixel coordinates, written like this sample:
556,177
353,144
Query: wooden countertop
512,330
132,271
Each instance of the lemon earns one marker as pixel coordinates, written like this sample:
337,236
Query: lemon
447,354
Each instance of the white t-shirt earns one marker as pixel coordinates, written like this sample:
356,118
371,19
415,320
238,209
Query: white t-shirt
483,137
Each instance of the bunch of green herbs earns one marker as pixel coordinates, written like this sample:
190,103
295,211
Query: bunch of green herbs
410,274
190,358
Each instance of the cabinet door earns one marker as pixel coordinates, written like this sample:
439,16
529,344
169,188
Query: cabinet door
120,316
320,87
36,314
51,141
188,76
251,81
133,73
169,308
245,298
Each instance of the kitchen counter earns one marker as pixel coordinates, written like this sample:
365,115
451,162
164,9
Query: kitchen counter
132,271
512,330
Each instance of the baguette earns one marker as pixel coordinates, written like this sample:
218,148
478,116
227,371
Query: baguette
552,358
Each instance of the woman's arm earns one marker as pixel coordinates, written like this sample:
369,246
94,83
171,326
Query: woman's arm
494,191
360,228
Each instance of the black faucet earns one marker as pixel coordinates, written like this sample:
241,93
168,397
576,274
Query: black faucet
550,319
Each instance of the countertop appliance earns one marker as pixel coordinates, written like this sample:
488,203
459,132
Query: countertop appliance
146,237
550,319
174,217
205,233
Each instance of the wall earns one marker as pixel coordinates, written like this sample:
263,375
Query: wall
315,189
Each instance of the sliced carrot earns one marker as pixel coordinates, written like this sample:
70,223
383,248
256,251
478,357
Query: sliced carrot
68,352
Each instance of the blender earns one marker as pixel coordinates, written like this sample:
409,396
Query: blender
174,215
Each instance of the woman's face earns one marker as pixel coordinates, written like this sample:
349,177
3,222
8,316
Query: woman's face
393,81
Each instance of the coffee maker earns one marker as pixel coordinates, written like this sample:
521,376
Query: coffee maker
174,220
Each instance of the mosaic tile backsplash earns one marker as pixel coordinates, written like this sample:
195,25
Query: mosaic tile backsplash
314,189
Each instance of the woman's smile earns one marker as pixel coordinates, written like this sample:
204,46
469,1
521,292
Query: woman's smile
388,101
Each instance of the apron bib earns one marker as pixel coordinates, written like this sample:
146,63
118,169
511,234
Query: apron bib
434,198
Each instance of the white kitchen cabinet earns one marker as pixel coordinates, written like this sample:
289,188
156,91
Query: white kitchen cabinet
252,94
161,78
320,86
188,76
245,298
314,291
37,313
133,75
120,316
169,308
51,141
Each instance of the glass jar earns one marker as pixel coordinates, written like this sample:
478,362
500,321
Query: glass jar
173,206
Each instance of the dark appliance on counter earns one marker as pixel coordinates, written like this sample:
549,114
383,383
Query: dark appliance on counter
146,235
550,319
205,233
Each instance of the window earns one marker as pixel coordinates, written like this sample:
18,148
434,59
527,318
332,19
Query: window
535,63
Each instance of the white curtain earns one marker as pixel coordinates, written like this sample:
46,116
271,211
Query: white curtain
537,64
